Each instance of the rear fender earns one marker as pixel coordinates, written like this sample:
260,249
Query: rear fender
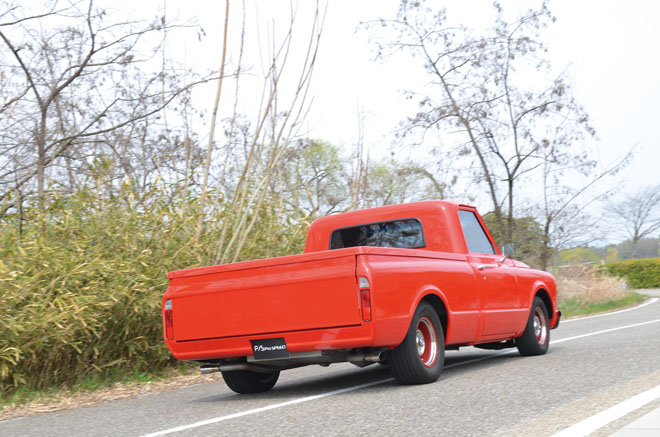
437,299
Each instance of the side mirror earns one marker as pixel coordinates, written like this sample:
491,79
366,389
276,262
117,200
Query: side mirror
507,249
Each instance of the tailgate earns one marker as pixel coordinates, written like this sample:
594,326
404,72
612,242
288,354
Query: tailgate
307,294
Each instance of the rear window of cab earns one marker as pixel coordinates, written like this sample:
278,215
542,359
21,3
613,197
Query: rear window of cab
404,233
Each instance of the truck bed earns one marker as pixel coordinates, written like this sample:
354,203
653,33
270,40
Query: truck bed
292,293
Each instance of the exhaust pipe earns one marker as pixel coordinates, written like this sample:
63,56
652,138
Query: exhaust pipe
375,357
208,368
211,368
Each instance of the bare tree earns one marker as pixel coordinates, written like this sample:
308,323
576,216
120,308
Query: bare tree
277,124
571,182
637,216
216,104
359,164
388,182
312,180
74,83
491,96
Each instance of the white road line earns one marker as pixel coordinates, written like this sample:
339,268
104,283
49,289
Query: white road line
561,340
269,407
608,416
605,331
649,302
369,384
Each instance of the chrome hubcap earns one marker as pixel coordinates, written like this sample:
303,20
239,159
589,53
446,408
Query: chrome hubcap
427,342
540,326
537,327
420,342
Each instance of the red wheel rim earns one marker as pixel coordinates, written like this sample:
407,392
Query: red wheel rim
427,341
540,326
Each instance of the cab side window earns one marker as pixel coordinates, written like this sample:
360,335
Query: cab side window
475,236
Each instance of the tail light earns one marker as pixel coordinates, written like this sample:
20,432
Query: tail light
169,320
365,298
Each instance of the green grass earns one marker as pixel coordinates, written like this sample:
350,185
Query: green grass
575,307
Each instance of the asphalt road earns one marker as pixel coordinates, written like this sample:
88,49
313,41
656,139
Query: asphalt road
593,364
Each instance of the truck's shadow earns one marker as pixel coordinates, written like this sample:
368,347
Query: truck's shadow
300,383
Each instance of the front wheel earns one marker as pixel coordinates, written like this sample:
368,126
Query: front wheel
246,381
536,338
421,355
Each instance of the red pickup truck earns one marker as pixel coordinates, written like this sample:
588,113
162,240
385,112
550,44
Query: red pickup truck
396,284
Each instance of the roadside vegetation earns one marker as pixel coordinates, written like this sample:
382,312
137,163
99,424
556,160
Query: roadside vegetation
108,180
640,273
586,289
575,307
81,301
599,287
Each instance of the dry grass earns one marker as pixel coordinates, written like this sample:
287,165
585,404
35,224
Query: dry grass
581,283
582,290
65,400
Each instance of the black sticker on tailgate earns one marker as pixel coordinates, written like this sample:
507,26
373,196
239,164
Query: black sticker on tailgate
269,348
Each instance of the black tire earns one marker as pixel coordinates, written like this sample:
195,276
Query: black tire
246,381
414,363
536,338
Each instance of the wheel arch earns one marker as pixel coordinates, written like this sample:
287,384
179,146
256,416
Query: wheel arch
440,309
545,297
433,297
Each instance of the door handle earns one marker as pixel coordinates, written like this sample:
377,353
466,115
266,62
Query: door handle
485,266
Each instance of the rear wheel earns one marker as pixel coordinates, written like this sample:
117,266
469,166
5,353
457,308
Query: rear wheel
536,338
421,355
246,381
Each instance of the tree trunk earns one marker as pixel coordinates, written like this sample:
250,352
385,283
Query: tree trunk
508,235
41,169
633,246
546,250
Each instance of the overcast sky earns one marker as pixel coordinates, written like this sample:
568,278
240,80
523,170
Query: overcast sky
610,49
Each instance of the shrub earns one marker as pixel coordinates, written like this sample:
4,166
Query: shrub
81,288
639,273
